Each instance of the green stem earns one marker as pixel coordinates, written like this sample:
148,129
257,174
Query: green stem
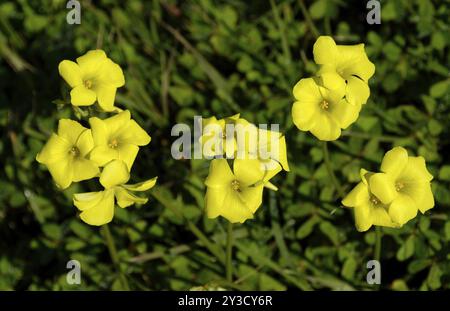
329,166
378,235
229,253
282,31
109,240
308,18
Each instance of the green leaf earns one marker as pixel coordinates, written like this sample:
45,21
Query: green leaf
406,250
434,277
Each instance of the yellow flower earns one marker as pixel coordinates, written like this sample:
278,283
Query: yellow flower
268,147
93,77
235,196
117,137
214,139
97,208
65,154
404,185
350,62
393,197
321,108
368,209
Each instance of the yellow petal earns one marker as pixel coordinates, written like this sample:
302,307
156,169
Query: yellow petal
128,153
101,155
84,169
70,130
357,196
344,113
102,213
234,209
402,209
125,198
142,186
326,128
419,192
134,134
270,186
87,200
271,168
85,143
106,94
100,133
348,54
71,73
427,201
353,61
62,172
333,82
248,172
415,171
92,62
394,161
81,96
307,91
252,196
325,50
363,219
380,217
282,158
54,150
214,201
303,115
383,187
114,173
112,74
118,122
220,174
357,91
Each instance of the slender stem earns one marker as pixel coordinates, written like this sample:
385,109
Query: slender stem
109,240
282,31
329,166
308,18
378,236
229,253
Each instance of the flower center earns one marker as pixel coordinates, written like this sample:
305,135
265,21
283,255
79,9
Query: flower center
113,143
374,200
399,186
324,105
74,151
236,186
88,84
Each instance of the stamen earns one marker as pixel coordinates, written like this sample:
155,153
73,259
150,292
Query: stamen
113,143
374,200
399,186
88,84
74,151
236,186
324,105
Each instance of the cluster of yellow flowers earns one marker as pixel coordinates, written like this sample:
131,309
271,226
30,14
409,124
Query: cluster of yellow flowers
107,150
393,196
237,194
332,100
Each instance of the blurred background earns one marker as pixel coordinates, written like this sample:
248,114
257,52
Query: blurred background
186,58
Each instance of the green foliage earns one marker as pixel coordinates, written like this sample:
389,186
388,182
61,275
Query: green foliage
186,58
